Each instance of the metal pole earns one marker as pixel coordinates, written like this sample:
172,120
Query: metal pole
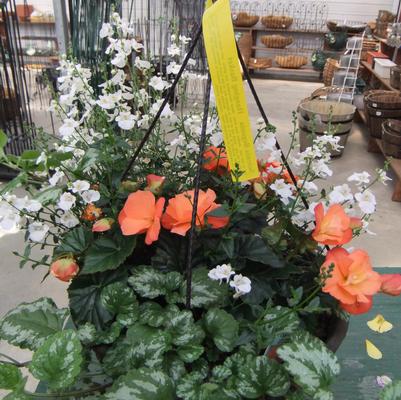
60,16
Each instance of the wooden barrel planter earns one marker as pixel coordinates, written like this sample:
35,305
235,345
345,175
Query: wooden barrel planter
395,77
318,118
381,105
392,138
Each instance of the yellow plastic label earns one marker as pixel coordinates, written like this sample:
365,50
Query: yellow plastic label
218,33
209,3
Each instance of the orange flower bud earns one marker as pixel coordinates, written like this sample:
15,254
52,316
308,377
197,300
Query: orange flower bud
91,213
64,269
391,284
155,183
103,225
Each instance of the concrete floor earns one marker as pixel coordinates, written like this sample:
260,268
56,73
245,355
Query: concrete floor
279,98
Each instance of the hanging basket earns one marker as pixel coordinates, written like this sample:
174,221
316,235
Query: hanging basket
277,41
245,46
330,68
291,61
244,20
277,22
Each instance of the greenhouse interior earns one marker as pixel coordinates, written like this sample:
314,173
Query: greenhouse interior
200,199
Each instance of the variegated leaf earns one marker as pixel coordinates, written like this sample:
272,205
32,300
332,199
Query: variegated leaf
10,376
391,391
311,363
142,384
58,361
30,324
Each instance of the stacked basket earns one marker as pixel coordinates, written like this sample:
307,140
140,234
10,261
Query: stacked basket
381,105
392,138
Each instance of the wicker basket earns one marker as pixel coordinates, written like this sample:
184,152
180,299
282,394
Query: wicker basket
260,63
329,69
277,22
245,46
384,101
291,61
243,19
392,138
277,41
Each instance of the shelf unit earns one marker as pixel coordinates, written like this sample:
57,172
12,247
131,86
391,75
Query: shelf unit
301,37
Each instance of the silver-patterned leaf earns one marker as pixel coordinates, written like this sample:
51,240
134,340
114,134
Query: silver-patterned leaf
30,324
58,361
311,363
391,391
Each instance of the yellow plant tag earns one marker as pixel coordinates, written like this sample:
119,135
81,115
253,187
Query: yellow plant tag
380,325
373,351
208,3
218,34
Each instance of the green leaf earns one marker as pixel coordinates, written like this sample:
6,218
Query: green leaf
142,384
58,361
89,159
75,241
152,314
108,253
253,248
10,377
118,298
278,323
85,297
3,141
147,282
261,377
391,391
30,324
174,367
48,196
223,328
189,386
190,352
205,292
183,329
18,181
30,155
311,363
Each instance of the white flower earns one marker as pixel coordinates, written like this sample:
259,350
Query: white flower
321,169
67,200
142,64
41,158
266,142
366,201
10,222
19,203
68,128
360,179
282,189
119,60
216,138
241,284
126,120
184,39
173,68
33,206
56,177
173,50
275,155
158,83
221,272
309,187
341,194
167,112
90,196
365,225
106,102
37,231
68,219
136,46
80,186
382,176
107,30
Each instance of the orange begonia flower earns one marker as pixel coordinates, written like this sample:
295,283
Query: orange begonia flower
154,183
91,213
103,225
391,284
178,215
64,269
352,279
334,228
141,214
358,308
215,159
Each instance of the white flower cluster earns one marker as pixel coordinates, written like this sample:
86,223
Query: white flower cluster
241,284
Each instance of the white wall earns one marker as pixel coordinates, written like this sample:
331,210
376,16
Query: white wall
44,6
359,10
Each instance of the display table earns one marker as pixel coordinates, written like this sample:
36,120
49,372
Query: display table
357,380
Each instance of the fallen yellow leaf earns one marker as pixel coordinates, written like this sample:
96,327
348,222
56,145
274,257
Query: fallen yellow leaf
373,351
379,324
